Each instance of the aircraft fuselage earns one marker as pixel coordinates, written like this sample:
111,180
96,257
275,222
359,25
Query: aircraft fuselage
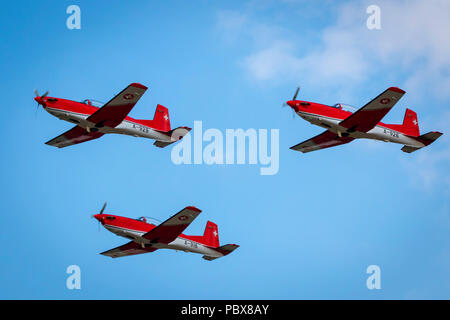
380,132
77,113
134,230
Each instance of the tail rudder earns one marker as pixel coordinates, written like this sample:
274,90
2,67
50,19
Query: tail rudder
161,119
410,124
211,235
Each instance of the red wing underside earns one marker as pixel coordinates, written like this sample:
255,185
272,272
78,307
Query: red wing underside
129,249
324,140
367,117
170,229
73,136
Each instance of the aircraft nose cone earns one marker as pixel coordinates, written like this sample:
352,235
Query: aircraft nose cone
293,105
98,217
39,100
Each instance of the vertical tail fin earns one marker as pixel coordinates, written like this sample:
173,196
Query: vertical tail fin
161,119
410,124
211,235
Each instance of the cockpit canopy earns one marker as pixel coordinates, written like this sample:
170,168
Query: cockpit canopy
148,220
142,219
92,102
345,107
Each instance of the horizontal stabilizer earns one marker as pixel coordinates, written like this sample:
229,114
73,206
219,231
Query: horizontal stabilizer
409,149
162,144
430,137
175,135
426,139
225,250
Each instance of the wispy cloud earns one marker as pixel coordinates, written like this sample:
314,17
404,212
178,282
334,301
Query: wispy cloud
411,50
413,40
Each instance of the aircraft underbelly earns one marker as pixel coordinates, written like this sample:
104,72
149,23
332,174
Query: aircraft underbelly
137,130
123,232
189,246
388,135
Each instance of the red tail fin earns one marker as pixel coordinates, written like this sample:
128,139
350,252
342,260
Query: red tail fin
161,119
410,124
211,235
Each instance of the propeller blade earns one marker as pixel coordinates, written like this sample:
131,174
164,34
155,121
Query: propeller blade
103,208
296,93
36,92
45,94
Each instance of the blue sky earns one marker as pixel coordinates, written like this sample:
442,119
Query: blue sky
308,232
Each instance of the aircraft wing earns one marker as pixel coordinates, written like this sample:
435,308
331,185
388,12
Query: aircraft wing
129,249
115,110
324,140
73,136
170,229
368,116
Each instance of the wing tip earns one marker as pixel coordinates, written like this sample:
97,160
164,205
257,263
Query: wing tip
396,89
298,150
193,209
138,85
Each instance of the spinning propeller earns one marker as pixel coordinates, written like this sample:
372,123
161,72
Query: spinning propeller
293,98
43,96
101,212
39,97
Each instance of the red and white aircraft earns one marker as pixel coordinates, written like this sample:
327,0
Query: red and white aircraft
146,237
343,126
92,122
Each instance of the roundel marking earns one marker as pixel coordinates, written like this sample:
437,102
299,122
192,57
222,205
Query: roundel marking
128,96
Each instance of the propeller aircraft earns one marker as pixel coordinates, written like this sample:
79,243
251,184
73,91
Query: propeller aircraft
343,125
146,237
93,122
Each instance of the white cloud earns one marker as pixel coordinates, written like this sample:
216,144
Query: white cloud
413,40
412,50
